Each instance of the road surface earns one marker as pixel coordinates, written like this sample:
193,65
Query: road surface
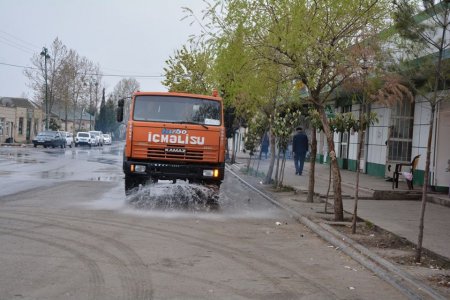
67,231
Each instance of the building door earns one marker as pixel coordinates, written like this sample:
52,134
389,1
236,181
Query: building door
399,143
28,132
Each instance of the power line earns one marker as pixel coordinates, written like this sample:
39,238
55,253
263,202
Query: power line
93,74
30,45
11,65
11,43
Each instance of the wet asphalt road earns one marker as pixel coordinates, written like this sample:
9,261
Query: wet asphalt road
67,231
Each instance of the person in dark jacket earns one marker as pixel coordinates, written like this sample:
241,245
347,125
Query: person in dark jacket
299,148
264,146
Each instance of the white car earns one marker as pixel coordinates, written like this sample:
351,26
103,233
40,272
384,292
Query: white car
106,139
85,138
69,138
98,137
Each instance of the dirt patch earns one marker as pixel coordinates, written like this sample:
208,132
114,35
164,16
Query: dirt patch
391,246
433,269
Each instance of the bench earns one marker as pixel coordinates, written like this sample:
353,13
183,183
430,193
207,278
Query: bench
398,171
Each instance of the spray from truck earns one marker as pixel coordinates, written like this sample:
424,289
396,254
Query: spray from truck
171,136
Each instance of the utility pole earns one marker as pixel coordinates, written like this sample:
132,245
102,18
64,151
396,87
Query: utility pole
90,105
96,102
46,56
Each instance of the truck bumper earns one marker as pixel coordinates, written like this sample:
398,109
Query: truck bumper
169,171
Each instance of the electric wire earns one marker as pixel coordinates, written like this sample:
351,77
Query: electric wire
93,74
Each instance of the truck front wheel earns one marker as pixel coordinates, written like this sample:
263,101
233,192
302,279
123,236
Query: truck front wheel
133,182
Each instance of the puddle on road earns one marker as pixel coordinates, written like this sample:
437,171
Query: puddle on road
106,178
21,158
55,174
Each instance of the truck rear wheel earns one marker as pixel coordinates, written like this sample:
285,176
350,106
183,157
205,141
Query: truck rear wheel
133,182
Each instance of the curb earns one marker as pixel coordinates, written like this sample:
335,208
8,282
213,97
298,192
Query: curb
409,286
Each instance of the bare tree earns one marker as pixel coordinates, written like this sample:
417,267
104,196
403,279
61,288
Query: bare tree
125,88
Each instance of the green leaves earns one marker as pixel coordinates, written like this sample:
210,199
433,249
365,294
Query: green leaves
283,126
189,70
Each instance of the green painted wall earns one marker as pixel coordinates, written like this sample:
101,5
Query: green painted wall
418,176
352,165
375,169
340,163
319,158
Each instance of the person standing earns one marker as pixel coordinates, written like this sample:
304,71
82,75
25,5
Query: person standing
299,148
264,146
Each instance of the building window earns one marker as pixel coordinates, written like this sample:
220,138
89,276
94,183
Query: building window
2,126
20,126
400,132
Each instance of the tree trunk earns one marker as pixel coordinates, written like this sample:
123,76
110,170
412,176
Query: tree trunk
358,161
257,166
328,192
425,186
283,164
312,166
337,189
233,149
277,169
268,178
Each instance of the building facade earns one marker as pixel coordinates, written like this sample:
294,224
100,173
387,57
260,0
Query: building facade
400,135
20,120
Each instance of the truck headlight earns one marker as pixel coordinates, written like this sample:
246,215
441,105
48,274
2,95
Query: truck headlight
211,173
208,173
139,168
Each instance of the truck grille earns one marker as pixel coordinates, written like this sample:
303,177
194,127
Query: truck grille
166,153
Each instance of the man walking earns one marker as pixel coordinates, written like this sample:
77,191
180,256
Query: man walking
299,148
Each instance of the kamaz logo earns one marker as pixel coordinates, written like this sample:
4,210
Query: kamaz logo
173,131
175,150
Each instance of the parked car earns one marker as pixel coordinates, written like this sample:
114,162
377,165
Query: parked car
69,138
86,139
106,139
49,139
98,137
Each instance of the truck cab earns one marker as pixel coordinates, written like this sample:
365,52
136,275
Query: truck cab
172,136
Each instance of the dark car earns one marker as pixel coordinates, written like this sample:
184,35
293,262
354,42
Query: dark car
49,139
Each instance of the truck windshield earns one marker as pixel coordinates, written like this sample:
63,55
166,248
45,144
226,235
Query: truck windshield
177,109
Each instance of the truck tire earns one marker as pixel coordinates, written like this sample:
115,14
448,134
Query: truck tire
132,183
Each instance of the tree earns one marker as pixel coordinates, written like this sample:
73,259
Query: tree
429,31
36,76
285,121
106,119
101,121
189,70
125,88
66,80
312,39
255,132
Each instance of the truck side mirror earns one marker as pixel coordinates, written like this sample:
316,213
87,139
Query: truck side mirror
119,110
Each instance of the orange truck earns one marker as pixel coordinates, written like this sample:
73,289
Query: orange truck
172,136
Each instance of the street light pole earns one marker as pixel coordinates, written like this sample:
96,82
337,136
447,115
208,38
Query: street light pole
46,56
96,103
90,105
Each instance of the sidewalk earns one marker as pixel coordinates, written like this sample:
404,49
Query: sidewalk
400,216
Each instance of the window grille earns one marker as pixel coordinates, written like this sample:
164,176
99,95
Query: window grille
401,132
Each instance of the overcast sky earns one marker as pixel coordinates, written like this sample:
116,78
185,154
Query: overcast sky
123,36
